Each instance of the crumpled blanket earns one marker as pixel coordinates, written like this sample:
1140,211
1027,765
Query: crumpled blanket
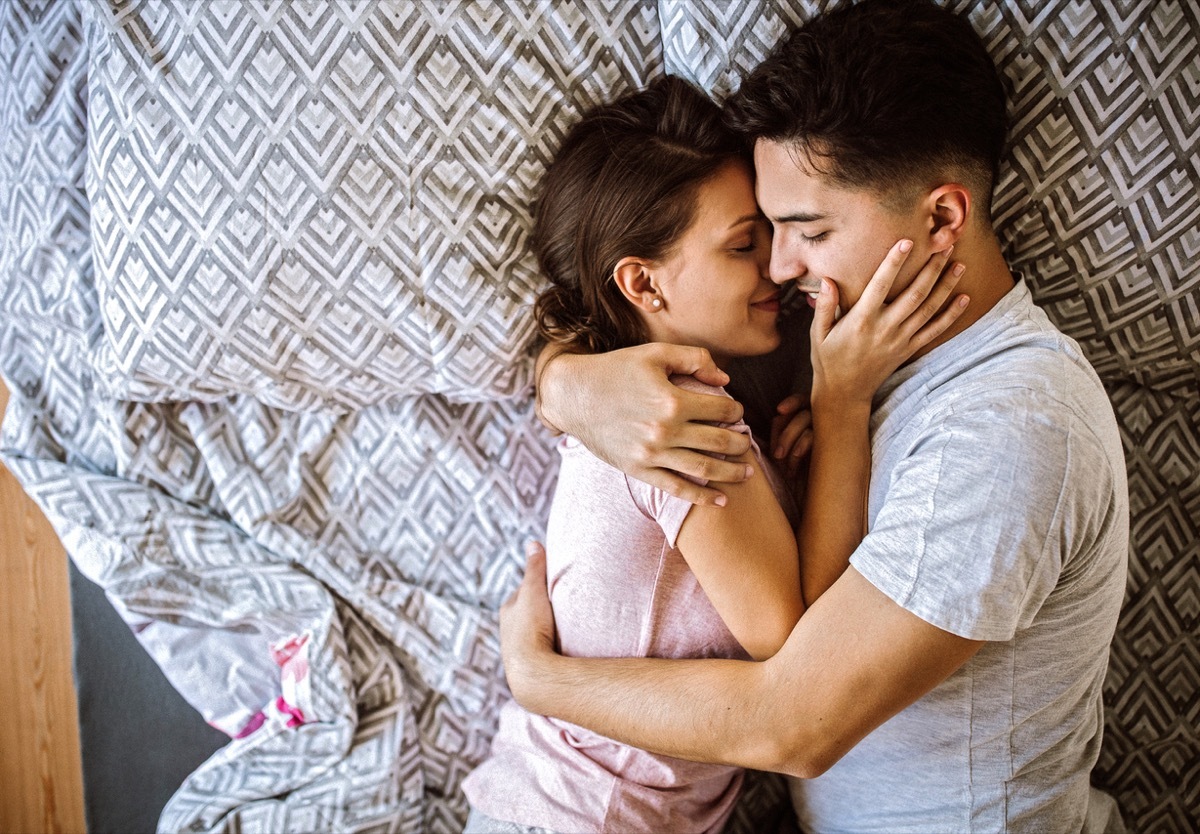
322,587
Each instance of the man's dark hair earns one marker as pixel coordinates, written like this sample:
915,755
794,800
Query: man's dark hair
884,94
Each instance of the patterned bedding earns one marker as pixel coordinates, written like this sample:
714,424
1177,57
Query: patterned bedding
264,291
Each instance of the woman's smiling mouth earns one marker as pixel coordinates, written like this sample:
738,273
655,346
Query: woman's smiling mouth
769,304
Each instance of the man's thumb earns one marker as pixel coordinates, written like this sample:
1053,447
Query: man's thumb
535,562
694,361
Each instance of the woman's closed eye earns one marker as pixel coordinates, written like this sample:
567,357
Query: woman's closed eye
759,236
813,240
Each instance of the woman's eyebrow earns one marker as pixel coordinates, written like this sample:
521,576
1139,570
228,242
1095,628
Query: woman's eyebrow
758,215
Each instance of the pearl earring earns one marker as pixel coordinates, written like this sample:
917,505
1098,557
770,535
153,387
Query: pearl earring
656,302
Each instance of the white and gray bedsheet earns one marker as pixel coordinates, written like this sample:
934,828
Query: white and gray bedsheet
264,289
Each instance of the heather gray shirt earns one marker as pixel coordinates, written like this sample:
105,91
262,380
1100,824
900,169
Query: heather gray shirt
998,512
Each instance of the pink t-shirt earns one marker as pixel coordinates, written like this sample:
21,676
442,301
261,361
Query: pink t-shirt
619,588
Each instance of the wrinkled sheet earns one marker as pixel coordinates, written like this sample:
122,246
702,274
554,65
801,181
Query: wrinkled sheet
323,587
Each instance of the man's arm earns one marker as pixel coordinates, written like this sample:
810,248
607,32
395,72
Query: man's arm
854,660
623,408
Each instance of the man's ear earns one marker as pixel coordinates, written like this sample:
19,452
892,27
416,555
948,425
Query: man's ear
949,211
634,279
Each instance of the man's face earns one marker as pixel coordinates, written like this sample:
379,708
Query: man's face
825,231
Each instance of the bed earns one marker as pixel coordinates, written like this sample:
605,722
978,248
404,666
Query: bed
264,317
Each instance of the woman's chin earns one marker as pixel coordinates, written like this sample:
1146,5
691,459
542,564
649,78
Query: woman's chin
747,351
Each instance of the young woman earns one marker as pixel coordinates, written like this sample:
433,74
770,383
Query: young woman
647,228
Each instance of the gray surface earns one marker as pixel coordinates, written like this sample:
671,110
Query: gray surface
139,738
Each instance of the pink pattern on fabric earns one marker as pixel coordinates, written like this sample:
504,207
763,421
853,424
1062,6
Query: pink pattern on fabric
289,654
296,715
257,720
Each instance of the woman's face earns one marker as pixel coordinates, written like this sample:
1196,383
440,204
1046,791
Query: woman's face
715,288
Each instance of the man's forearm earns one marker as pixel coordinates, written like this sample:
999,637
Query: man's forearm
550,355
854,660
702,710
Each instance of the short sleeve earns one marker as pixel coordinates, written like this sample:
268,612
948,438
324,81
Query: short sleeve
665,509
971,531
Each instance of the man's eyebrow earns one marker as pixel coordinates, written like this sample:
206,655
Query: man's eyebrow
801,217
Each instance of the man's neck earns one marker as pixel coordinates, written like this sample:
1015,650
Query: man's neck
987,280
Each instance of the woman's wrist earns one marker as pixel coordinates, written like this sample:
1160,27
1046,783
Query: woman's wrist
839,406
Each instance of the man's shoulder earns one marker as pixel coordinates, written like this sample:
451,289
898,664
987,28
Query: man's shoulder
1032,373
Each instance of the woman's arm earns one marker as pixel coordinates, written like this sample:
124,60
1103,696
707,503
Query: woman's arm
834,518
744,556
849,364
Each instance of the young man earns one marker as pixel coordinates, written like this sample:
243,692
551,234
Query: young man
950,679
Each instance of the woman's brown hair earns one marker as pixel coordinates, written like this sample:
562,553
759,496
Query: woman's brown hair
623,184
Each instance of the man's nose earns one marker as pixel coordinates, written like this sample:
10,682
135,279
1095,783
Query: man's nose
784,266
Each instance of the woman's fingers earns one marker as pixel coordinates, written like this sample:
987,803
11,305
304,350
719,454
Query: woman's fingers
788,431
825,313
927,294
939,324
789,405
792,441
933,303
919,314
922,287
876,292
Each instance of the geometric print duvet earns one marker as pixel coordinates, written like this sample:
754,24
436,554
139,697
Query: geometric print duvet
310,527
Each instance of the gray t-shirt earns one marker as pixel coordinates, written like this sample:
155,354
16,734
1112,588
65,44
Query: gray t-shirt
998,512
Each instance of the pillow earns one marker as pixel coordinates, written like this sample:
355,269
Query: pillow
1098,202
327,205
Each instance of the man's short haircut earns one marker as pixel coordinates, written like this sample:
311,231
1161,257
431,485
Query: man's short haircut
891,95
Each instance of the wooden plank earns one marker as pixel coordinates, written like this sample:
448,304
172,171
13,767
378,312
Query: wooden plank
41,782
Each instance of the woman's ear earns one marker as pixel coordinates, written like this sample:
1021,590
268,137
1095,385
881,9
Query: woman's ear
633,277
949,212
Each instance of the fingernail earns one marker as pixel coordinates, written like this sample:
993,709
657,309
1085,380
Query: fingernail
905,245
778,453
949,251
824,286
749,471
530,548
959,269
964,301
720,500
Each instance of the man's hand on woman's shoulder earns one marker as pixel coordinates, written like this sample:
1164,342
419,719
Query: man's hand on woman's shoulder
624,409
